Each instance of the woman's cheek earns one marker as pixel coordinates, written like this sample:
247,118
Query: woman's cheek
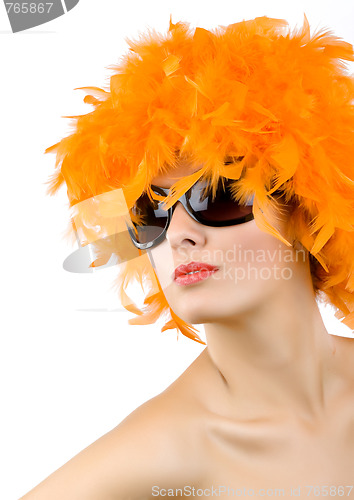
161,259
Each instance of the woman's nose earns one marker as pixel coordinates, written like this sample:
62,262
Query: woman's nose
183,229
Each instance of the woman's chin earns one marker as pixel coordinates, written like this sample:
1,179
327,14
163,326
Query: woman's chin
191,313
198,314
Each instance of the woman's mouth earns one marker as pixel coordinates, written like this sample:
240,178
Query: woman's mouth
193,273
188,279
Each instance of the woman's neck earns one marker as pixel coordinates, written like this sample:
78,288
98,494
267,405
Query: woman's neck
277,357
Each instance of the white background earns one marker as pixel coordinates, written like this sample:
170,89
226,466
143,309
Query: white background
71,368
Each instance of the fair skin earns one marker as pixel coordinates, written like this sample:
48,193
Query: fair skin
267,404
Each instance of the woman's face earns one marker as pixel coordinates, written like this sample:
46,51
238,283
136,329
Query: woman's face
252,265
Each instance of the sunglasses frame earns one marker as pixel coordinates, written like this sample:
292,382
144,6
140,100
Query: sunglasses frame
184,200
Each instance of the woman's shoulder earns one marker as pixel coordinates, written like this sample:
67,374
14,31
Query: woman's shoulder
161,441
344,352
346,343
177,411
158,446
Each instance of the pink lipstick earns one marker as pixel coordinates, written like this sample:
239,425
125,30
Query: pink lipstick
193,272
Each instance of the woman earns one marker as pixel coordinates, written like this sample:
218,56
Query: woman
232,151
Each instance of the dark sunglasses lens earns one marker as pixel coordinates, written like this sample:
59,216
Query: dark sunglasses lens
153,219
220,209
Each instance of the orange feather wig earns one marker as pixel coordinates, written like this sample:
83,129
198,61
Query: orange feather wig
276,103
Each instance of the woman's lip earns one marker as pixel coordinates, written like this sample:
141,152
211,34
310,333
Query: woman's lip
189,279
184,269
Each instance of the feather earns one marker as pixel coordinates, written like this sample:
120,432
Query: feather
286,157
171,64
181,186
323,236
260,217
95,91
183,327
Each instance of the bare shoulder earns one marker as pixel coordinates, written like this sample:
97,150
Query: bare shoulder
344,342
157,446
344,347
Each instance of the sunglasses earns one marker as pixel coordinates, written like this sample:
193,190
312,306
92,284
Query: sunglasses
219,211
